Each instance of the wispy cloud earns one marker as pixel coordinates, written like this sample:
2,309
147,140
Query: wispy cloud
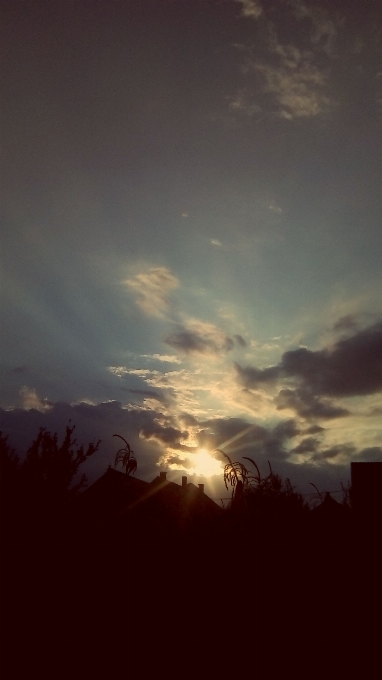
152,288
167,358
324,29
275,208
251,8
294,75
241,103
296,83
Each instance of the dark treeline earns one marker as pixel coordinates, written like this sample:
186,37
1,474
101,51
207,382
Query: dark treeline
122,542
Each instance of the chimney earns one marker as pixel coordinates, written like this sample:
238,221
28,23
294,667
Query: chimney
184,482
201,488
162,476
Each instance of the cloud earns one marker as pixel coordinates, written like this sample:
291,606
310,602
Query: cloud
314,429
295,77
275,209
307,445
324,30
240,340
296,83
351,367
251,8
158,437
168,436
308,406
171,359
152,288
241,103
346,323
371,453
342,453
229,433
287,429
31,400
200,337
150,394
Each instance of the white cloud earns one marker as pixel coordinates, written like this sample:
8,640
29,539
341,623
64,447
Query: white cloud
152,288
31,400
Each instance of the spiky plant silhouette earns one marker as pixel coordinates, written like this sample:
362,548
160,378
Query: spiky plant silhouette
126,457
236,474
269,491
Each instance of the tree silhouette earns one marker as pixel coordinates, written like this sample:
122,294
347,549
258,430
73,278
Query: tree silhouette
47,478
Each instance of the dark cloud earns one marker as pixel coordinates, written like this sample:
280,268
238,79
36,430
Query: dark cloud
164,435
177,460
221,431
252,377
346,323
333,452
287,429
188,419
240,340
307,405
237,437
314,429
197,342
353,366
307,445
371,453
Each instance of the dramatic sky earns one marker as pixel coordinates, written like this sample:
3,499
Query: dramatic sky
192,237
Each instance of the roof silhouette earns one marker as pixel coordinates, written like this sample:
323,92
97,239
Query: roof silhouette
125,500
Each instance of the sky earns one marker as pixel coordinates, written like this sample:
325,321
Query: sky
191,232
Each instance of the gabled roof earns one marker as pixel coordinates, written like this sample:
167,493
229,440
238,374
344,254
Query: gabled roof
329,506
112,492
159,502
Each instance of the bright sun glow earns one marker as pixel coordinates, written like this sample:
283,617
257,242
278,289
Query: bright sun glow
205,465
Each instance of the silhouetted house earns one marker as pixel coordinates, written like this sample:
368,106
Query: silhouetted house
329,508
183,504
125,503
111,493
366,487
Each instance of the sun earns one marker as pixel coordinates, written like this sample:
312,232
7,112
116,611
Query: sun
204,465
